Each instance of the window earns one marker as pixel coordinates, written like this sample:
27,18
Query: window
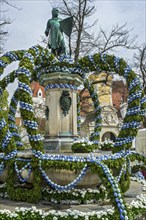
109,135
39,93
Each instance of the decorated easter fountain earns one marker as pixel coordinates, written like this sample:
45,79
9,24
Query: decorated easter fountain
51,160
62,76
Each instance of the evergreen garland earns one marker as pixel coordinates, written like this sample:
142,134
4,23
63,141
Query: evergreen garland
33,63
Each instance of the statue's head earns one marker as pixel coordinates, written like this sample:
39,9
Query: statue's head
55,12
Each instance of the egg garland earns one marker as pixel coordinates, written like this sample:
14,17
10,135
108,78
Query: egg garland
119,66
11,120
9,57
6,59
24,76
97,160
36,57
19,171
98,120
68,186
61,86
78,114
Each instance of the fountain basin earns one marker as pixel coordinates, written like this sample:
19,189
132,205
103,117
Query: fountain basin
61,177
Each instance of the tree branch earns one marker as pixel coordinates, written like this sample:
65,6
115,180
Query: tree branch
8,3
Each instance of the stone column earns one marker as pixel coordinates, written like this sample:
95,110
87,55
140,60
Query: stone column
60,126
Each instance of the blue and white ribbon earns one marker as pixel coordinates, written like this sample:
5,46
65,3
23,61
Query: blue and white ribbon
3,64
2,166
126,71
24,87
29,56
134,83
14,100
134,96
15,134
2,124
13,126
6,139
12,56
134,110
23,70
11,118
19,144
61,86
35,48
31,124
10,155
116,62
26,106
121,141
35,137
12,109
132,124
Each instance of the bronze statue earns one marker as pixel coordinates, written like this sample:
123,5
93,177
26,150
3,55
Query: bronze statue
55,29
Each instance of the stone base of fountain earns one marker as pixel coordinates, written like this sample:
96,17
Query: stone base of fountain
61,177
62,143
64,177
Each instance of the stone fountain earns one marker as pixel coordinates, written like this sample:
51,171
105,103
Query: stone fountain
60,168
61,124
61,110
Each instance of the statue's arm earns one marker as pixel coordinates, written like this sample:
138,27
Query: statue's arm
47,28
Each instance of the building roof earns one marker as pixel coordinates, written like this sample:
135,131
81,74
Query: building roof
35,86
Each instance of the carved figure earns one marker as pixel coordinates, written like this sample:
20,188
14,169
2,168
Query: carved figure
47,112
55,29
65,102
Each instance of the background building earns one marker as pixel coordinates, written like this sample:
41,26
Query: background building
112,97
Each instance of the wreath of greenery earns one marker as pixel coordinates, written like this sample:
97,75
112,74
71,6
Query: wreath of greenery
33,63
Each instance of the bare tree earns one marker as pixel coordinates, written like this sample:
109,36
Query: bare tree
9,4
140,64
83,41
4,21
80,10
117,37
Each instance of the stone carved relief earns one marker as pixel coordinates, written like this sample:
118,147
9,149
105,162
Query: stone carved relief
109,115
110,118
65,102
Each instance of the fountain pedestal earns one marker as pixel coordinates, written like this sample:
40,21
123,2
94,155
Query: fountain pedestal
60,125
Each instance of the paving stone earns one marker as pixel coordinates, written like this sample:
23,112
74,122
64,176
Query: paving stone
11,205
82,208
95,207
54,206
134,190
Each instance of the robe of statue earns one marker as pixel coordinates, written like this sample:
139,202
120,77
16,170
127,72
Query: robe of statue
55,29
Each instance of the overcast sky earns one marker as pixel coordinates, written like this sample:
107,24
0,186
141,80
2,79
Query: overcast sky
29,23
